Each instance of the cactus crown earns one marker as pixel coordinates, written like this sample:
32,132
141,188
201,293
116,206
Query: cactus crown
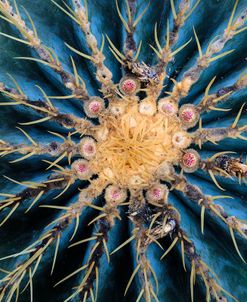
135,144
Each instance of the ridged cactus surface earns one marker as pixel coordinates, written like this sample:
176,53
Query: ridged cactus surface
123,150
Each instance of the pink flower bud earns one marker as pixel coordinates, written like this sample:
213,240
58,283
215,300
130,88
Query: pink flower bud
190,161
88,147
167,106
129,85
157,193
82,169
94,106
188,115
181,140
115,194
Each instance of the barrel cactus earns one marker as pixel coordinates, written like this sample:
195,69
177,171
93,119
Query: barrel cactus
123,141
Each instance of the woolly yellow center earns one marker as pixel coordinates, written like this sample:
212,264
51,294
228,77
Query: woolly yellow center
133,147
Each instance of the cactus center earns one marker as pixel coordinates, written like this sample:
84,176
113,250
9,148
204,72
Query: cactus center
134,145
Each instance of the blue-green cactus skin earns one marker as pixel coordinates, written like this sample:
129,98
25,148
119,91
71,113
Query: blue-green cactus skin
215,246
